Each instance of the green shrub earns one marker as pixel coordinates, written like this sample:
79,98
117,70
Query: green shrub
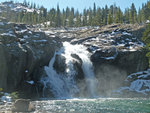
1,93
14,95
1,89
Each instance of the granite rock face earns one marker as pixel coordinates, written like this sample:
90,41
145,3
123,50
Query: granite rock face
115,50
116,45
23,53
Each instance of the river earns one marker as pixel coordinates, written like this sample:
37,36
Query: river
98,105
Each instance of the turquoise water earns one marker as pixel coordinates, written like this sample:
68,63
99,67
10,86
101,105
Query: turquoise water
100,105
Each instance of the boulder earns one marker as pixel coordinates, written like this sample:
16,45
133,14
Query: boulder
60,65
135,85
23,105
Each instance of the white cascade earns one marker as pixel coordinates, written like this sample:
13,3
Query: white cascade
64,86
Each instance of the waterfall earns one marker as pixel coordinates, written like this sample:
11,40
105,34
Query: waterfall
65,85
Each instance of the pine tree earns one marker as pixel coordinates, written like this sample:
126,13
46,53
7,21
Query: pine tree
126,15
143,13
40,17
31,6
52,16
20,17
139,16
98,17
133,14
116,15
146,36
25,3
70,21
120,15
94,10
106,14
58,17
110,17
67,12
146,39
24,19
90,17
111,11
28,4
84,17
34,6
34,17
94,19
103,11
42,14
64,22
147,10
78,19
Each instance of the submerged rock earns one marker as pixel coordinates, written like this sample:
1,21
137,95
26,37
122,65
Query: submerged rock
22,105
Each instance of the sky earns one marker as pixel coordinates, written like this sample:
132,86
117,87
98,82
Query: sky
81,4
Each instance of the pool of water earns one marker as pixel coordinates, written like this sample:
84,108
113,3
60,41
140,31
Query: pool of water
99,105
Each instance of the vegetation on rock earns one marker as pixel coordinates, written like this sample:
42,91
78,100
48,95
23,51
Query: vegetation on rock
146,39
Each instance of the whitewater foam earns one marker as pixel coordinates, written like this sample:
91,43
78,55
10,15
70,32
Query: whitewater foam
65,85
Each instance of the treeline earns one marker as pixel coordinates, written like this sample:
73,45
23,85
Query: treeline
70,17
